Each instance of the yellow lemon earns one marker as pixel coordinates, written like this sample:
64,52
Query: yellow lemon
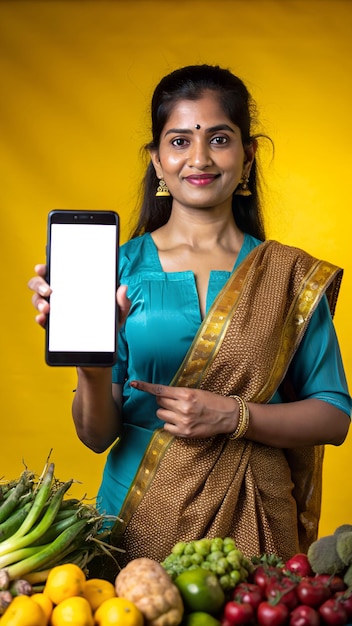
45,603
97,590
64,581
118,612
73,611
23,611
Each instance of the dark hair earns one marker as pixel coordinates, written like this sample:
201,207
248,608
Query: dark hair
189,83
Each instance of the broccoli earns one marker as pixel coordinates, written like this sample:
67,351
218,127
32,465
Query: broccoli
343,529
348,576
323,556
344,547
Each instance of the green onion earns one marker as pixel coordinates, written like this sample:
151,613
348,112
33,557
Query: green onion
46,554
19,540
9,505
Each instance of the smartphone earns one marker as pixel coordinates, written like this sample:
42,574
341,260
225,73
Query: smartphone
82,271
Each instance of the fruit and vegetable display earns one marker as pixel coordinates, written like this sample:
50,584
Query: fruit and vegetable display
48,541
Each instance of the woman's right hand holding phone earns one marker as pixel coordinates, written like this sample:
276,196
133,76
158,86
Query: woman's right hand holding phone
42,292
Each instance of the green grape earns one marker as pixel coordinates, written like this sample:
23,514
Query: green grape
215,556
197,558
206,565
216,544
178,548
234,558
185,560
229,546
202,546
213,567
223,565
235,577
229,541
189,548
226,582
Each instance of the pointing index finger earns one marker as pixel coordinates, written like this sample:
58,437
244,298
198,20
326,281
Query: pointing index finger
155,390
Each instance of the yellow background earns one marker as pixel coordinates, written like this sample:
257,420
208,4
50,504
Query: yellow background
76,80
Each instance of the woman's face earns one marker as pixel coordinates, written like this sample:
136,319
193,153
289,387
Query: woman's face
201,156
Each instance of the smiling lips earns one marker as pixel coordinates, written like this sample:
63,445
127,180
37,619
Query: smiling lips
201,179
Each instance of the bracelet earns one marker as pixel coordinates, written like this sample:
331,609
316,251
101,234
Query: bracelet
243,419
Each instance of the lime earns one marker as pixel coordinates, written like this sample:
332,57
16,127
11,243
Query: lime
199,618
200,591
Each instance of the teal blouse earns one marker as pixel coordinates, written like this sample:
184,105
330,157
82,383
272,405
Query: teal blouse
161,325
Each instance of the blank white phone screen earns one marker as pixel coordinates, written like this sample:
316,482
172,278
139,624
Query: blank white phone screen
83,281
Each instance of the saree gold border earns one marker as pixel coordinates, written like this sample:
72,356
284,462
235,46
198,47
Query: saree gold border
157,447
316,282
203,348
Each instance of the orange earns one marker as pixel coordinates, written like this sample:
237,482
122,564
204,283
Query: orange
64,581
45,603
23,611
118,612
97,590
73,611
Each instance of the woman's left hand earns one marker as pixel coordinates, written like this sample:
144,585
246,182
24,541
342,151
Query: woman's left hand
192,413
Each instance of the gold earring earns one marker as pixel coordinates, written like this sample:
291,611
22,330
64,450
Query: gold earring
243,189
162,189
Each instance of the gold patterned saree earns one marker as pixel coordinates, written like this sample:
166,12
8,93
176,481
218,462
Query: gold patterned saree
268,499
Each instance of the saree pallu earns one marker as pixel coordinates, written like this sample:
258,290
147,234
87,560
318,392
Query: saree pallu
267,498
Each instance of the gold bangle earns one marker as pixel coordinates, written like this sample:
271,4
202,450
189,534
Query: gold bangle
243,419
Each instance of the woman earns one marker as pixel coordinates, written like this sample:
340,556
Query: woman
229,379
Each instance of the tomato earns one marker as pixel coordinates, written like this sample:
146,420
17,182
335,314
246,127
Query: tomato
264,574
334,582
237,613
299,564
199,618
304,615
333,613
283,591
345,597
248,593
269,614
200,590
312,592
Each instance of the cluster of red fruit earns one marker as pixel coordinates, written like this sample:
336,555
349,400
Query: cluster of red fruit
291,595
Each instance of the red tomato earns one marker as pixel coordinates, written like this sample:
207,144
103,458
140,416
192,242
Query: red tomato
333,613
335,583
237,613
264,574
304,615
312,592
345,597
283,591
299,565
272,614
248,593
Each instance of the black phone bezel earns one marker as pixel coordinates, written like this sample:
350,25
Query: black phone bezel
89,358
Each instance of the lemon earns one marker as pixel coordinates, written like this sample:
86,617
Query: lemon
97,590
23,611
64,581
74,611
118,612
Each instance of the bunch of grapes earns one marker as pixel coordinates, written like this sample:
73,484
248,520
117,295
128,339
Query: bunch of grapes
219,556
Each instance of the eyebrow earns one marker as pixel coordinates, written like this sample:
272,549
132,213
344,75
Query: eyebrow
189,131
